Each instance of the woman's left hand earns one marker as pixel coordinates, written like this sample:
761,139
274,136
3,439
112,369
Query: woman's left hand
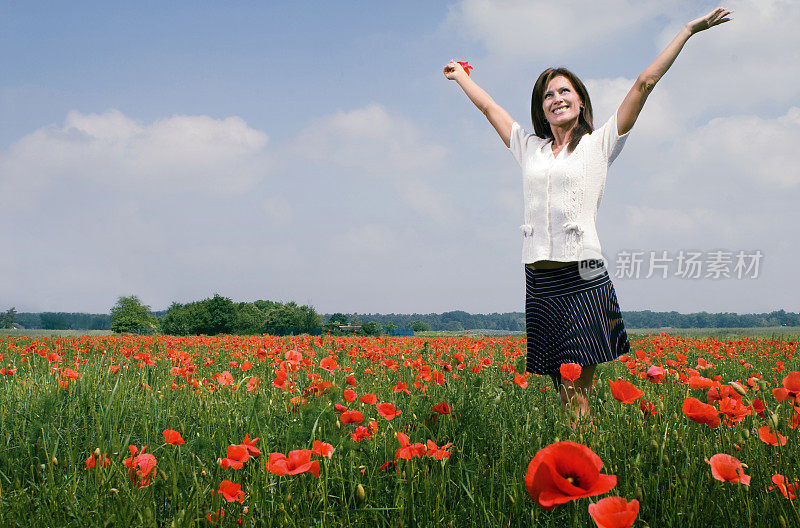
712,19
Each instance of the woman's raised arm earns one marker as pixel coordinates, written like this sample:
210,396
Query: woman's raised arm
634,101
498,117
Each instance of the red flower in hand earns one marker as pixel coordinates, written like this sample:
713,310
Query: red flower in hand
298,461
625,391
565,471
614,512
466,66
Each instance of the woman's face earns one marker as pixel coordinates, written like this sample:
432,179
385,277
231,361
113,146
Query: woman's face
561,103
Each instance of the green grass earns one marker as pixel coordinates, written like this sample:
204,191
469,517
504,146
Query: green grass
496,428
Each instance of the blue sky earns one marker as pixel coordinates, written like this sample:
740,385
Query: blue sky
314,151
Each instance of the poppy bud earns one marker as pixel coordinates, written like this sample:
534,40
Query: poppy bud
114,490
42,467
782,521
203,473
557,440
97,452
746,433
639,495
665,459
762,385
163,475
360,494
738,388
55,461
289,497
772,418
654,444
510,498
245,510
219,462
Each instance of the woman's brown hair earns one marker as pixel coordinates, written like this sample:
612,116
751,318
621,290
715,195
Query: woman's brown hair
541,127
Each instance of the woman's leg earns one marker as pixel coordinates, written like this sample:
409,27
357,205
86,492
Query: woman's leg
577,392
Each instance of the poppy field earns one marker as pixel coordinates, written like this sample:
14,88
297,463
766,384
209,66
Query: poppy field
393,431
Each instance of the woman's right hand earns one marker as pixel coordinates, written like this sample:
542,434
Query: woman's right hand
454,71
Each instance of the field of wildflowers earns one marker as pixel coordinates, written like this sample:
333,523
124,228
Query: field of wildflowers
349,431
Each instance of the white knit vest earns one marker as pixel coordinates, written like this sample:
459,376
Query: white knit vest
562,194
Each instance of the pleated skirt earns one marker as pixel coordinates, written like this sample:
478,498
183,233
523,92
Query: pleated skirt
572,316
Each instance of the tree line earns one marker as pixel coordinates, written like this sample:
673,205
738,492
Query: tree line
221,315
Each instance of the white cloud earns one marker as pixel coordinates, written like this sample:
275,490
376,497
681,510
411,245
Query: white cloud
383,147
277,210
371,141
174,154
547,30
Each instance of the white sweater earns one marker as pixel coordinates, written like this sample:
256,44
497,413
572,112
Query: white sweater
562,194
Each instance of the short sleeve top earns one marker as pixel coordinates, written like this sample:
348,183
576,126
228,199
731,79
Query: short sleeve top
562,193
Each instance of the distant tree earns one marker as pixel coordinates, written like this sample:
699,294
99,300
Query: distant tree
390,326
249,319
419,326
222,315
7,319
129,315
338,318
372,328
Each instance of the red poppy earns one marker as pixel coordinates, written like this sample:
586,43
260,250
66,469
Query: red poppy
253,383
298,461
351,381
401,387
758,407
388,411
141,466
328,363
699,382
773,438
352,417
369,399
782,483
521,380
792,382
101,461
361,433
614,512
232,492
224,378
350,395
252,450
565,471
570,371
648,409
237,456
726,468
441,408
322,449
338,407
734,410
625,391
700,412
466,66
436,452
655,374
408,450
780,394
173,437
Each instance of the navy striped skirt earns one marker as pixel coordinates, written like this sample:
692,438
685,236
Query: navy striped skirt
572,316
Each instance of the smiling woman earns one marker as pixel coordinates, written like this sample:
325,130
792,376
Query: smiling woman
571,309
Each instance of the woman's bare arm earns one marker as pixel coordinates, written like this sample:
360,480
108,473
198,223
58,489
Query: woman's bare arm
632,104
498,117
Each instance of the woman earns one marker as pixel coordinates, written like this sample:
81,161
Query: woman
571,309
